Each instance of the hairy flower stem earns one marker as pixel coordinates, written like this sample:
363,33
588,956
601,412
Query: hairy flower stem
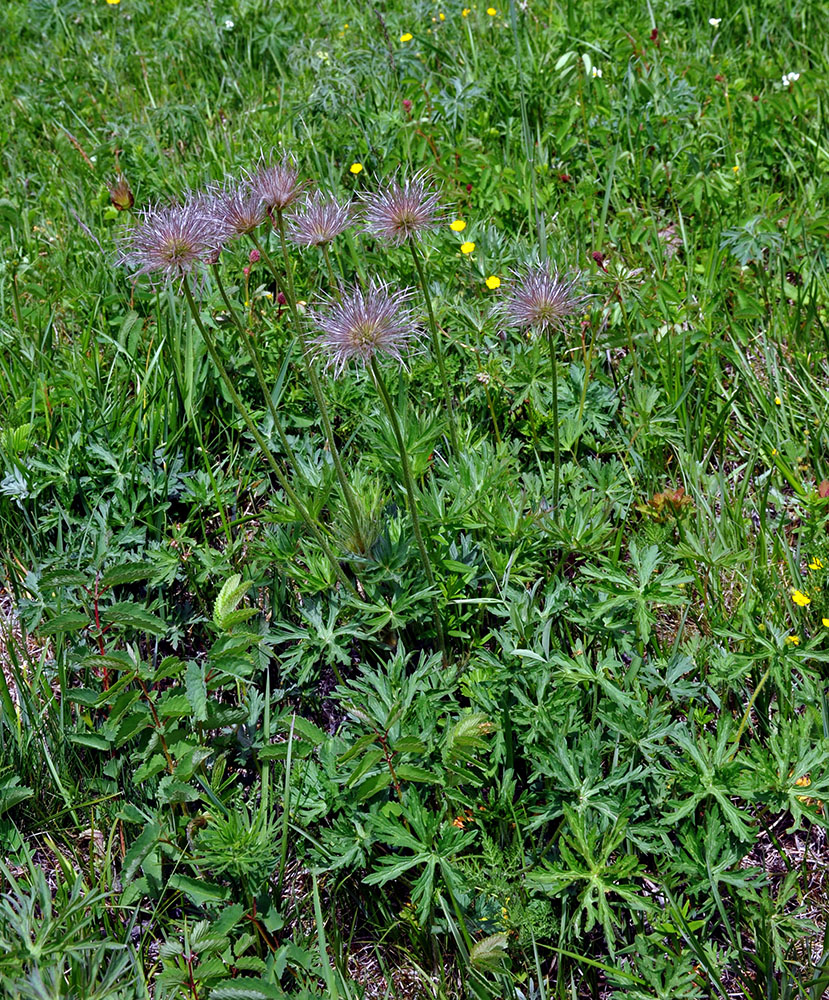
551,341
301,509
335,288
290,295
410,493
253,351
433,329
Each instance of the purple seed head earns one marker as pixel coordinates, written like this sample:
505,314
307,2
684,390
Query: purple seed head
318,220
399,211
235,208
170,241
276,183
540,299
364,322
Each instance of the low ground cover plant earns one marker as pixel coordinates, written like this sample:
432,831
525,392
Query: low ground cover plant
414,501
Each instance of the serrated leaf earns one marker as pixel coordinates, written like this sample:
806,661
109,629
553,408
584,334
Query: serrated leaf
490,953
307,730
371,786
130,726
411,772
246,988
83,696
90,740
63,578
155,765
127,614
174,704
198,890
67,621
229,597
171,790
126,573
139,849
196,689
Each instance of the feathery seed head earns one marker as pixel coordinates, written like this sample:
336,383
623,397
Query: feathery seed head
236,209
318,220
277,184
400,211
540,299
363,322
170,241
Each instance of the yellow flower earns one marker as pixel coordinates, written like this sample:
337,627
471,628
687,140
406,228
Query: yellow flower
773,452
825,622
355,168
491,11
803,782
736,168
493,281
816,564
442,16
465,12
467,247
793,640
778,401
800,599
457,226
406,38
113,3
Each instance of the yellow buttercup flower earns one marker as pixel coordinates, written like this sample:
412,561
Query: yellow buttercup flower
778,401
825,622
442,16
465,12
816,564
457,226
491,11
736,168
355,168
113,3
493,282
406,37
467,247
793,640
800,599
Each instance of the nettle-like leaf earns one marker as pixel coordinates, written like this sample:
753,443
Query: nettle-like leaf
490,953
225,615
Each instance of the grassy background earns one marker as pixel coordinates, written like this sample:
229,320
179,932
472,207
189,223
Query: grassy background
619,784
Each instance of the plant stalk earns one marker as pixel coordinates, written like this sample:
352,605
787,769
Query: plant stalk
410,493
551,341
301,509
433,329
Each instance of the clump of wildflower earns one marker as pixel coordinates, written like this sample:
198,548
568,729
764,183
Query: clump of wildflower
364,322
467,247
595,72
825,622
540,299
399,211
355,168
318,220
457,226
406,36
170,241
793,640
815,563
493,282
236,208
790,78
800,599
714,21
277,185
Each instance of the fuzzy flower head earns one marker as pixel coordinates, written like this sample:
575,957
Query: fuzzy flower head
235,208
399,211
540,299
318,220
170,241
364,322
277,184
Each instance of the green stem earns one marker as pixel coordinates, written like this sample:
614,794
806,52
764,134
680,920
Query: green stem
253,351
331,279
551,340
263,446
433,329
290,294
410,493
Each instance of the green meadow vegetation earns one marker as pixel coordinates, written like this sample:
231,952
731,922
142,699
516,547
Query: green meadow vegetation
435,604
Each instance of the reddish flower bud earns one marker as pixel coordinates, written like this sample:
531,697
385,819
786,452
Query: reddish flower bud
253,256
407,105
280,298
246,271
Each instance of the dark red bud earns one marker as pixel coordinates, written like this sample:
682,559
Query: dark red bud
280,298
253,256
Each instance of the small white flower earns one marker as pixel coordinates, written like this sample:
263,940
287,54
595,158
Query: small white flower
229,25
322,55
596,72
714,21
